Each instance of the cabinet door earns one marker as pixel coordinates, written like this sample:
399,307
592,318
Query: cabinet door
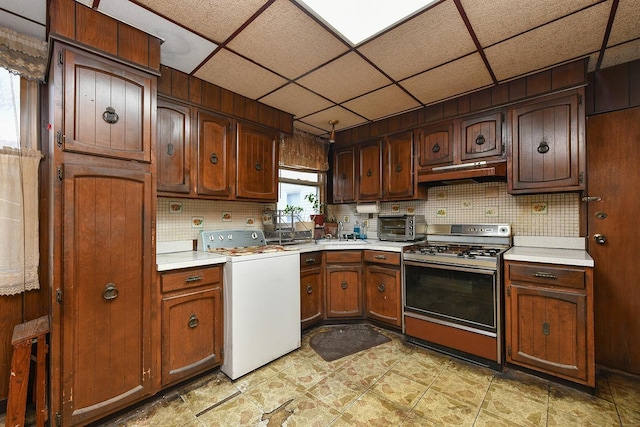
257,164
370,174
547,153
547,330
399,179
107,108
215,157
344,291
105,315
344,176
311,296
434,144
383,294
191,334
481,137
173,147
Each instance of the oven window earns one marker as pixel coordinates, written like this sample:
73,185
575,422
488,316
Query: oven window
462,297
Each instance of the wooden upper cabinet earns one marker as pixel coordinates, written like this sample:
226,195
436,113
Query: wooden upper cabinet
344,175
481,137
370,171
257,174
434,144
173,147
108,107
398,175
215,156
547,151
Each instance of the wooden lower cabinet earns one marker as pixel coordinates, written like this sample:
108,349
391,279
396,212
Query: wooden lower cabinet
344,284
549,324
383,287
311,289
191,331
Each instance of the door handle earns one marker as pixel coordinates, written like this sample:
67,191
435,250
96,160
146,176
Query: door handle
600,239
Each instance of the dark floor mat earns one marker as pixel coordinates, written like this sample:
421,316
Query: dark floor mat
342,341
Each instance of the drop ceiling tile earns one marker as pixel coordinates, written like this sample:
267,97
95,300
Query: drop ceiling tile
497,20
296,100
286,40
566,39
461,76
436,36
345,119
626,24
216,20
621,53
182,49
345,78
310,129
381,103
230,71
23,26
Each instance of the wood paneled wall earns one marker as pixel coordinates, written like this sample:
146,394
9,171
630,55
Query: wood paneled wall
180,86
613,88
563,77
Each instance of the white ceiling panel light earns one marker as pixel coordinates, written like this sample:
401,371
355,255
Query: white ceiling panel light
359,20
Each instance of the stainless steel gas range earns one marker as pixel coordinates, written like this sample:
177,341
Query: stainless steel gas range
452,290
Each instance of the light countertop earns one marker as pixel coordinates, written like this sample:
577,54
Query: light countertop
334,244
185,259
550,250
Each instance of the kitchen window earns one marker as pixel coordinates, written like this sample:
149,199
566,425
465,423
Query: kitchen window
295,185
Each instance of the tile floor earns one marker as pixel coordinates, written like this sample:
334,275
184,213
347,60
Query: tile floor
393,384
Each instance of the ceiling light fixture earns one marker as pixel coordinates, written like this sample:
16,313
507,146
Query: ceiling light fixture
332,135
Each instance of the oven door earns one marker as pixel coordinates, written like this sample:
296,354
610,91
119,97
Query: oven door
462,297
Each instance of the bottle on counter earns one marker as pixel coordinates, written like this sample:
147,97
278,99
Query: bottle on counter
356,230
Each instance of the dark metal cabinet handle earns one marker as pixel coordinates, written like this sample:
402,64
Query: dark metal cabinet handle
309,289
399,168
435,148
543,147
193,321
258,166
192,279
480,139
170,149
310,260
344,176
110,292
600,239
543,275
110,116
546,328
381,287
380,257
369,173
344,284
214,158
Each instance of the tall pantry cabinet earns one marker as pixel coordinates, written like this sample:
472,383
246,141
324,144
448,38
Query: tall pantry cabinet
101,203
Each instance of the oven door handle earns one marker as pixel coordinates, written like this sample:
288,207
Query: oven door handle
450,267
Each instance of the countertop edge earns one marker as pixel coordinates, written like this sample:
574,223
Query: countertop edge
575,257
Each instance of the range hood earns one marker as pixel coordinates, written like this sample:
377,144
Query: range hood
464,173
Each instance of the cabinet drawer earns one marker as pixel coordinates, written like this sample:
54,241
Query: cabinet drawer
343,257
185,279
548,275
382,257
311,259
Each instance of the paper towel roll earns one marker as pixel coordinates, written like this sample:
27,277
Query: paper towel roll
368,208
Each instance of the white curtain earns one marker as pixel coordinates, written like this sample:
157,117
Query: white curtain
19,252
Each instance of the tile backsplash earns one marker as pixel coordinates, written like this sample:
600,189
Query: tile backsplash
530,215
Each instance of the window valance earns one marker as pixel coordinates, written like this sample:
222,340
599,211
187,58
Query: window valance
304,151
23,55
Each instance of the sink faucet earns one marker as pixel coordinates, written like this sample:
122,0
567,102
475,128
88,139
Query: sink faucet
340,230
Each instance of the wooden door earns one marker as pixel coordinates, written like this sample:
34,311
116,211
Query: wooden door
344,176
481,137
105,316
215,157
344,291
434,144
370,176
613,150
383,294
107,108
399,179
173,147
547,149
257,162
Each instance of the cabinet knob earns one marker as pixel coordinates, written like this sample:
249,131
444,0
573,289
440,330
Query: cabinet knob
600,239
110,116
344,284
170,149
258,166
309,289
369,173
435,148
546,330
381,287
193,321
543,147
214,158
399,168
110,292
480,139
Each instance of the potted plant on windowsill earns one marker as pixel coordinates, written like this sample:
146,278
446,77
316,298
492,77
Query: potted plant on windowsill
314,199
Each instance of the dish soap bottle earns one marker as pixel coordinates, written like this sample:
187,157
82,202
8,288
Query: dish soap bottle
356,230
